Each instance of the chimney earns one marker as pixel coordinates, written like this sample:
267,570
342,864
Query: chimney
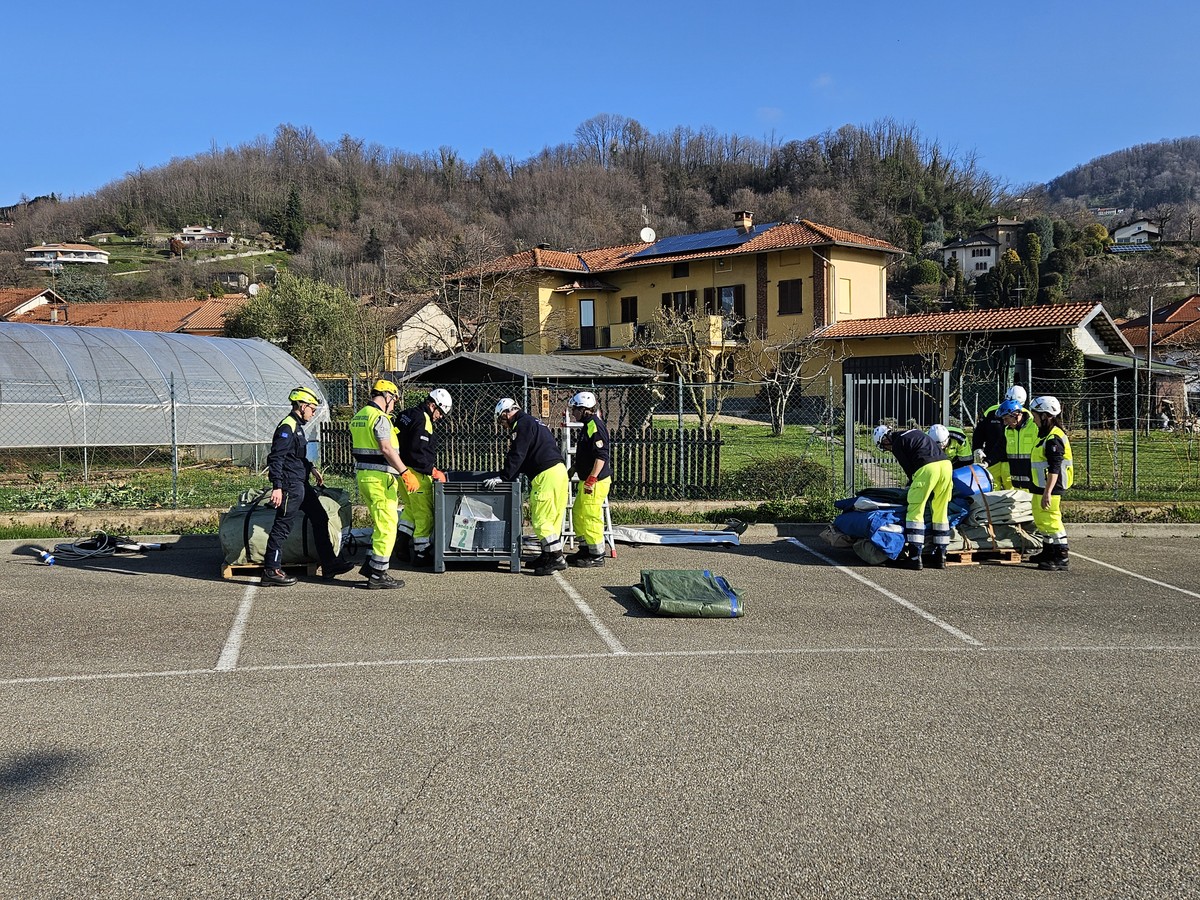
744,222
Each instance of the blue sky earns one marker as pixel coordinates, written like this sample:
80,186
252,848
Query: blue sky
98,90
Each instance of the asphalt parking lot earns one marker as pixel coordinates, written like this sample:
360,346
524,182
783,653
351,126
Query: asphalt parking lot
984,731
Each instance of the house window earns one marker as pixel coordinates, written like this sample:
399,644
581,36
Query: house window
982,251
791,297
629,309
587,324
679,270
681,303
729,302
981,267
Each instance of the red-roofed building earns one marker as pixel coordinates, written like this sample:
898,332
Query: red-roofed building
203,317
1171,334
774,282
1000,341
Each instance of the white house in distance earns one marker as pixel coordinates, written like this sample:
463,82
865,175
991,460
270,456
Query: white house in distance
51,256
976,254
979,253
198,235
1139,231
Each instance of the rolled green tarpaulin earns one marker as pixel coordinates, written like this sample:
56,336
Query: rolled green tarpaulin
689,592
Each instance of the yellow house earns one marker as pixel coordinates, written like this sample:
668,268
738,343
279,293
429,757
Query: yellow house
711,293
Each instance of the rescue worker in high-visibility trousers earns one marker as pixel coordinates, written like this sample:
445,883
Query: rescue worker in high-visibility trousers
1020,434
377,466
533,451
593,465
987,440
931,483
289,468
953,440
1053,473
418,450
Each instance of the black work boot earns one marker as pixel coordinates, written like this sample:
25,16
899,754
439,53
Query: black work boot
938,559
588,561
278,577
909,558
1056,560
423,559
332,570
554,562
537,562
1041,555
378,581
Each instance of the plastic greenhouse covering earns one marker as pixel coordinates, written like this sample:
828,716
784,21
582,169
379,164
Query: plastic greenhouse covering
67,386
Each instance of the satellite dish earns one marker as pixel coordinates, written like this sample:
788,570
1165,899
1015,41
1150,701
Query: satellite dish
648,235
252,290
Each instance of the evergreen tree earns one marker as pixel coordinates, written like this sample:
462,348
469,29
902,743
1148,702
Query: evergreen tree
373,249
1032,260
293,226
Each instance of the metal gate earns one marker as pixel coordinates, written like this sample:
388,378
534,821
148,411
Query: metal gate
916,401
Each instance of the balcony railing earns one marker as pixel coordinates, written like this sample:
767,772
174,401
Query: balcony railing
719,329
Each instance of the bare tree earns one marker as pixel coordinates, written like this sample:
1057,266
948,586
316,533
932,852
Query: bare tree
785,366
489,305
964,353
690,344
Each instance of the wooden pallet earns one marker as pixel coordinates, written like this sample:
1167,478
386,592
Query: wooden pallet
976,557
255,570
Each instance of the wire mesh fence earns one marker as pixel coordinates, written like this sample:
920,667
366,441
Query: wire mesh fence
680,441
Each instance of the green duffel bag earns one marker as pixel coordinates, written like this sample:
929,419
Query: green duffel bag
689,592
245,528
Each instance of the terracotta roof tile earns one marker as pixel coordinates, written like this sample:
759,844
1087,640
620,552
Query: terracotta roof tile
780,236
138,315
1010,318
12,298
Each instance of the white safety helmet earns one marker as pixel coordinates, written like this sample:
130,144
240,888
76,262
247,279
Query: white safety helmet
1046,404
441,399
504,405
880,432
940,434
583,400
1016,392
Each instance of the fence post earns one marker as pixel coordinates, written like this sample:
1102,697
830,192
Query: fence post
1116,437
1134,430
848,399
682,493
174,448
1088,445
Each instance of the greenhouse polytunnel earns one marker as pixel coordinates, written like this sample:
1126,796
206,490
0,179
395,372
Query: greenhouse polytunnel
67,386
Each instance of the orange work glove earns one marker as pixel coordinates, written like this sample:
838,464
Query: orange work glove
439,475
410,481
589,484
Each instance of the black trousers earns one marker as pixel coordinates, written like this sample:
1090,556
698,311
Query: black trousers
299,499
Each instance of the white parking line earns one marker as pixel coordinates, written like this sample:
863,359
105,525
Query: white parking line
617,648
946,626
570,657
233,641
1136,575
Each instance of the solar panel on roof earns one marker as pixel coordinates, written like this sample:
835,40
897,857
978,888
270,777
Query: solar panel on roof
1130,248
705,240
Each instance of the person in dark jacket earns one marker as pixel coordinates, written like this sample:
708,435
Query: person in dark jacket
534,452
988,441
418,449
289,469
593,465
931,483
